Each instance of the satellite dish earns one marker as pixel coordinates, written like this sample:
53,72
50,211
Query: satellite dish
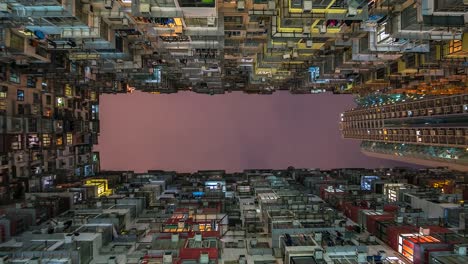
39,34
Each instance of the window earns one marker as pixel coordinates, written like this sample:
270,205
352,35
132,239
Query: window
48,112
381,34
60,102
69,139
20,95
20,109
196,21
46,140
33,141
3,92
31,82
48,99
233,19
14,76
16,42
17,143
95,112
32,125
36,98
455,46
59,141
68,90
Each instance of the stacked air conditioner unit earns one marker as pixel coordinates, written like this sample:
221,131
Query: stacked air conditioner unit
211,21
352,8
4,8
144,8
307,6
271,5
108,4
323,28
240,5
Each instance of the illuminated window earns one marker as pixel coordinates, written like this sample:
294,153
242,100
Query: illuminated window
46,140
33,141
48,112
3,92
59,141
69,139
455,46
17,143
60,102
20,95
68,90
94,112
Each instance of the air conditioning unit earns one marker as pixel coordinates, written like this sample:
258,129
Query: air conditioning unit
318,254
108,4
167,258
352,11
286,56
144,8
125,22
240,5
291,44
459,250
211,21
4,8
295,54
86,8
271,5
309,43
323,29
306,30
307,6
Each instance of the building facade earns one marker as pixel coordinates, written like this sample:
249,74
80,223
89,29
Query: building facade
425,130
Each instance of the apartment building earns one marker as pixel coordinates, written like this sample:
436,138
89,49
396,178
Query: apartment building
421,129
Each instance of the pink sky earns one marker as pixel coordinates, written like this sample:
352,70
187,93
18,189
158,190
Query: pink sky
188,132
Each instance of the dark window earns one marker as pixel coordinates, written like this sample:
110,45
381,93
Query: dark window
32,125
20,109
48,99
36,98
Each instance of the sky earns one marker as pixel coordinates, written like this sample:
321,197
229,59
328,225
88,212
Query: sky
187,132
